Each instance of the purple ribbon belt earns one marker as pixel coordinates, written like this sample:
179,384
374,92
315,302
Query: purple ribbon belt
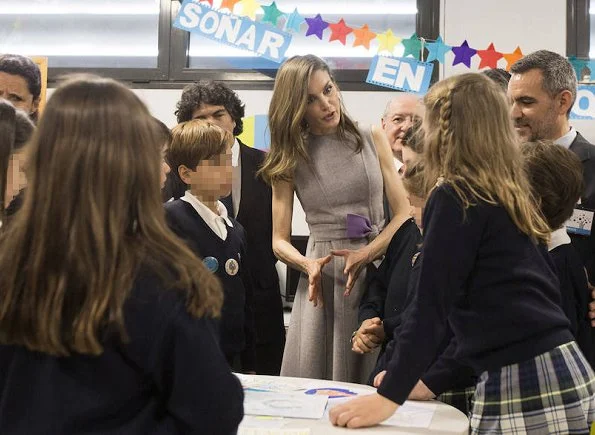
359,227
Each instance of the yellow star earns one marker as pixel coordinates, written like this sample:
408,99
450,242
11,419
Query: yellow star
387,41
249,8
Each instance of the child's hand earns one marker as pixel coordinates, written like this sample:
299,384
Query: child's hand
379,378
363,411
354,262
421,392
314,269
367,338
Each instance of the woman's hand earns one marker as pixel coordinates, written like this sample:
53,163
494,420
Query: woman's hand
363,411
314,270
354,262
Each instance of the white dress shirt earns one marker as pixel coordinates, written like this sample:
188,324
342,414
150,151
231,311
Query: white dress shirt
567,139
558,237
236,184
216,222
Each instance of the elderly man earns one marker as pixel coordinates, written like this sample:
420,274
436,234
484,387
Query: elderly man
20,83
396,120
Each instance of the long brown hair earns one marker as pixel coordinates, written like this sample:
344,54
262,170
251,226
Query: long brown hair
91,218
286,117
471,143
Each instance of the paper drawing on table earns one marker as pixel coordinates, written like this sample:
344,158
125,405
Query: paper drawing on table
284,405
412,414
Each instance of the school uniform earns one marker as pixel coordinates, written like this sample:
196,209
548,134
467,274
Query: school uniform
574,290
169,377
387,288
221,242
496,290
396,280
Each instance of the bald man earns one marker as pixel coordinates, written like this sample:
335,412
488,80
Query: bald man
397,118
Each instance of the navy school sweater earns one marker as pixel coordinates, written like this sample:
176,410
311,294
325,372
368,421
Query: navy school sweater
494,286
237,322
170,378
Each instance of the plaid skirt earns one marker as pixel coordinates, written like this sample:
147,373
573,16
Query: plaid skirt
553,393
462,399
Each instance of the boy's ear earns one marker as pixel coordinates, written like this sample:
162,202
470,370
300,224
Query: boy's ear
184,172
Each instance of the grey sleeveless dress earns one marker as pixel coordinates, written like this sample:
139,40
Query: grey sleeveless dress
336,181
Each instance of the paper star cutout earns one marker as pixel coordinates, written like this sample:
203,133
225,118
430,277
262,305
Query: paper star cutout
363,36
489,57
294,21
412,46
387,41
437,50
210,2
228,4
339,31
271,14
463,54
316,26
249,8
511,58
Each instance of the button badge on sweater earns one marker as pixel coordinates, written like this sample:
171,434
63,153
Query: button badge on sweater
232,267
211,263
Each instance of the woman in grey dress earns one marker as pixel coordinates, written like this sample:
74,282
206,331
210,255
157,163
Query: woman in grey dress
338,171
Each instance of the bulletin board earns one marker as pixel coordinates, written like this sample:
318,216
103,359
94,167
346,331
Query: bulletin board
42,63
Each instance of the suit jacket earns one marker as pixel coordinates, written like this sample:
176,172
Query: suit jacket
586,245
255,215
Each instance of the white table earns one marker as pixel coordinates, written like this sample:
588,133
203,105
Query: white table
446,419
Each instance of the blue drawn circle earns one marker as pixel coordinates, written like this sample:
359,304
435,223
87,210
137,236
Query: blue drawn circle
341,392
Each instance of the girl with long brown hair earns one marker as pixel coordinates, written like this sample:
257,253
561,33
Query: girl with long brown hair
338,170
486,274
105,316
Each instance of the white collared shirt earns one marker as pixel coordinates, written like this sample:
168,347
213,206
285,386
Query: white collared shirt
558,237
236,184
567,139
398,164
216,222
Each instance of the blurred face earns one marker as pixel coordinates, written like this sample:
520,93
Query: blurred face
212,178
164,167
417,209
217,115
324,104
14,89
409,158
535,113
16,179
398,119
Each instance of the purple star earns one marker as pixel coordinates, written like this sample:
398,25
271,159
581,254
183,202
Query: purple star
463,54
316,26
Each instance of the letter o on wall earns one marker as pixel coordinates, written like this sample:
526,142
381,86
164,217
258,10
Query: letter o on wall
209,22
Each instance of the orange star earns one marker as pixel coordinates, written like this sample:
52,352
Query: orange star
511,58
363,36
228,4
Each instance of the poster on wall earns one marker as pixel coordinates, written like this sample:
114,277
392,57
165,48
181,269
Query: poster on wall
42,64
584,106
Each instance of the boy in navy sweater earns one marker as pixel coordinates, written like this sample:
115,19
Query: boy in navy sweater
556,178
200,152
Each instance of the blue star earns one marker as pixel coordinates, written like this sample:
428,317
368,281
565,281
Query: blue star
294,21
437,50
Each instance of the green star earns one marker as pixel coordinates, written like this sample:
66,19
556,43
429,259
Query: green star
412,46
271,14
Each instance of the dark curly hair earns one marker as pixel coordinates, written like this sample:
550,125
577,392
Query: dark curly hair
213,93
24,67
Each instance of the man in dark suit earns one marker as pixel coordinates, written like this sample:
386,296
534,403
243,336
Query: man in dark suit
250,204
542,90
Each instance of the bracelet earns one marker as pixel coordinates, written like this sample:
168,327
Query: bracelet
353,334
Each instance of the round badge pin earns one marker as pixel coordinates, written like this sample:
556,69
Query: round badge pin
211,263
232,267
